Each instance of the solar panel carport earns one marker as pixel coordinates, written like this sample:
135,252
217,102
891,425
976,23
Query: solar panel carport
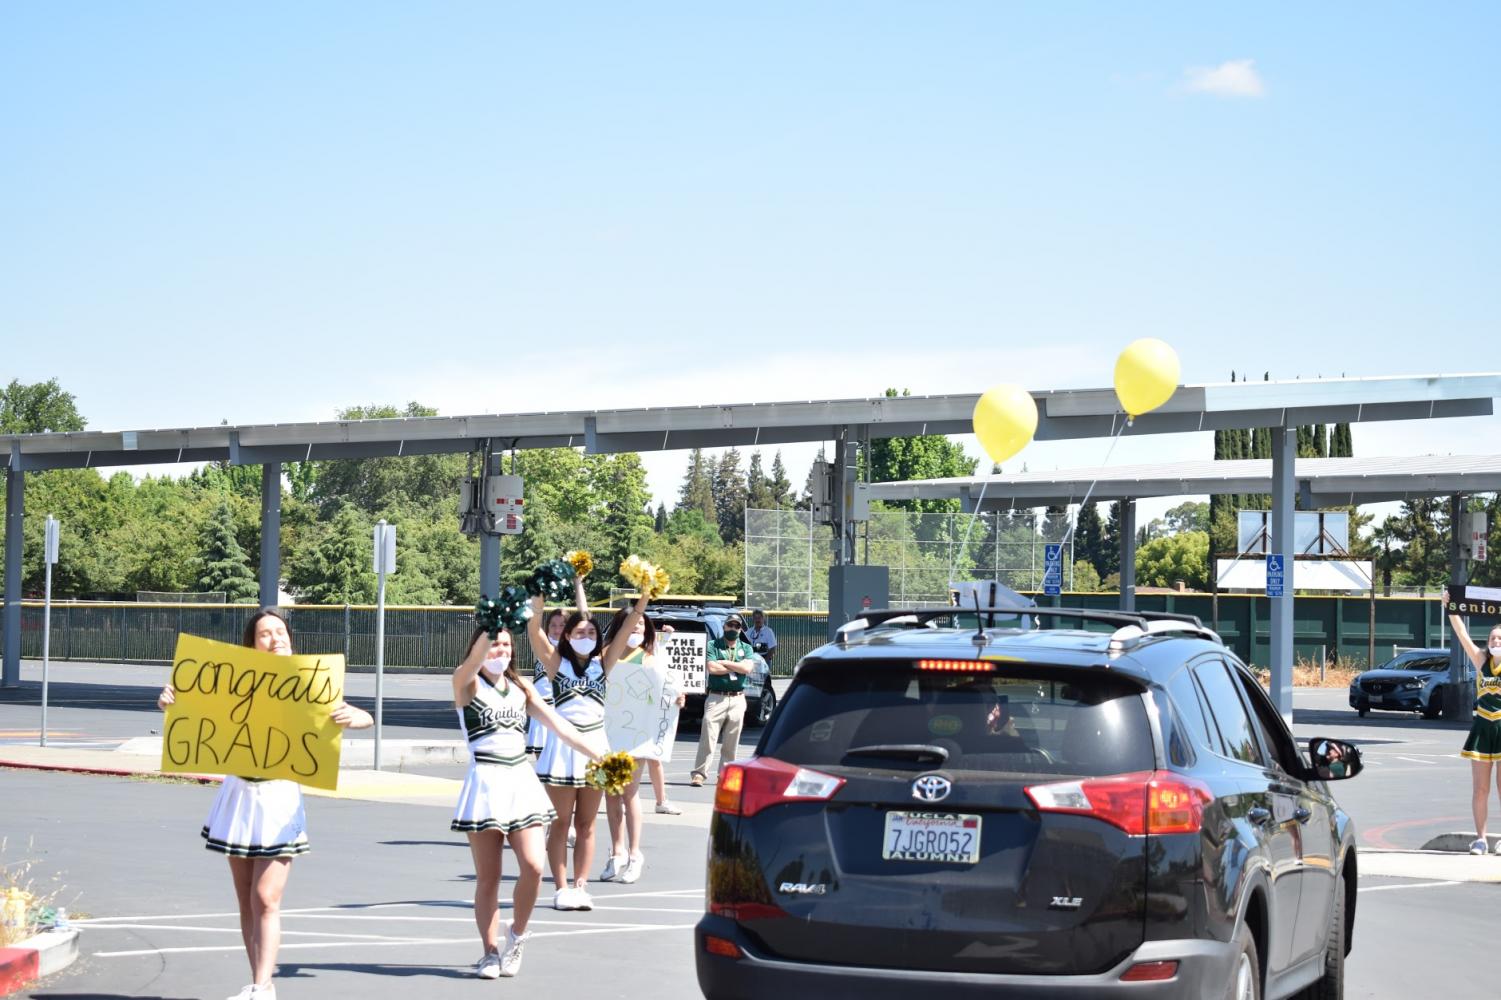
1316,482
849,424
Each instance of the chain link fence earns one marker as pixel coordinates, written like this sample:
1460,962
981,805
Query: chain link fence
787,556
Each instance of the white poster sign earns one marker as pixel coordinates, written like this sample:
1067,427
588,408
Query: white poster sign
1312,574
641,709
686,652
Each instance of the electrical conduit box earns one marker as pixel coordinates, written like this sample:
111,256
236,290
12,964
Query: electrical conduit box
853,589
503,501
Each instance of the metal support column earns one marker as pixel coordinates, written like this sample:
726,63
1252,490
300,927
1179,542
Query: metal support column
15,547
1459,702
1128,555
489,545
1284,458
846,450
270,534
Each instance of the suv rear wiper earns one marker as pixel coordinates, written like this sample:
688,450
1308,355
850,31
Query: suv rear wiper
917,751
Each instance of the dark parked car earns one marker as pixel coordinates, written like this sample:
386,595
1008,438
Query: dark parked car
943,810
1411,681
760,696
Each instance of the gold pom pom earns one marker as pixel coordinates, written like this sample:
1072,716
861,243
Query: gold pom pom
582,562
611,773
648,579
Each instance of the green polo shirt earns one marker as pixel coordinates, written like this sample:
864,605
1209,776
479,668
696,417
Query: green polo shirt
730,683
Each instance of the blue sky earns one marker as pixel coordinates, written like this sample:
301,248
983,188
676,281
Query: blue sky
262,213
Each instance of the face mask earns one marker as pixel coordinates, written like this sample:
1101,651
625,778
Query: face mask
498,664
1496,650
582,647
731,634
634,640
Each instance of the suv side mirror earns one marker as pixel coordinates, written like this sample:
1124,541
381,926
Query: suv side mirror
1333,760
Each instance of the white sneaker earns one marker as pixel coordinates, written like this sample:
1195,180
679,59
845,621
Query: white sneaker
612,869
632,870
667,808
562,899
488,967
1498,846
1479,846
581,899
510,962
267,992
245,994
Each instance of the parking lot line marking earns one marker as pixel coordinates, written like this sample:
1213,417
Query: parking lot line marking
354,909
467,939
1411,885
650,909
1415,760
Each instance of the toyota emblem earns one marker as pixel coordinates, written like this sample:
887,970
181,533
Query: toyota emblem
931,788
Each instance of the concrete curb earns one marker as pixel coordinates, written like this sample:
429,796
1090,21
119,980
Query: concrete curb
1459,843
38,956
356,753
1442,866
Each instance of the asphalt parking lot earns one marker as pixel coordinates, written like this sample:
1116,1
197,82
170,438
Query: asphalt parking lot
380,908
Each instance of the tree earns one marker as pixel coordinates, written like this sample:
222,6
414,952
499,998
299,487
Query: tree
38,407
697,491
222,564
371,483
928,456
729,491
758,491
781,487
1188,516
1089,537
1086,577
335,568
1110,549
1162,562
659,523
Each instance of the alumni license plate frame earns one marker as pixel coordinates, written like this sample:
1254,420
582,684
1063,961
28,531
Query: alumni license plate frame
931,837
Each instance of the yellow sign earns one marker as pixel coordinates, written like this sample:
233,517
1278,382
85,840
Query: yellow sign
257,715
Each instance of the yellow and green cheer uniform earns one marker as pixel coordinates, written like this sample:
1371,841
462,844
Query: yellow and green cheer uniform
1484,741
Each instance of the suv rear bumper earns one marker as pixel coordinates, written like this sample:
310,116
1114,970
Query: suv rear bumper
1203,970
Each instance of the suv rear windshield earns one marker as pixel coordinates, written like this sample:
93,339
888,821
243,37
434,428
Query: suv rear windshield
1038,721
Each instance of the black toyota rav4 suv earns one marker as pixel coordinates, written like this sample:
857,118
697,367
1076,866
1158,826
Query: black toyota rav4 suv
943,807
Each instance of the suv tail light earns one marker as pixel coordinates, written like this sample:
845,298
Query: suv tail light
747,788
1140,803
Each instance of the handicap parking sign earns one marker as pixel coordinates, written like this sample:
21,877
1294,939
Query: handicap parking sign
1052,570
1274,576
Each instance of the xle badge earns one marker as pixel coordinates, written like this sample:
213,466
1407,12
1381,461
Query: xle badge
1066,903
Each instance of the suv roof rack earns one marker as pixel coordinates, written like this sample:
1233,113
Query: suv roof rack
1132,627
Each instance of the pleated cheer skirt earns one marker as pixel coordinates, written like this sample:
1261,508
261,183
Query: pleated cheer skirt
560,764
504,797
257,819
536,736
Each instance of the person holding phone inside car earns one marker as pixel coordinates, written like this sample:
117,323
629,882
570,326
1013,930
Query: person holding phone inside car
729,660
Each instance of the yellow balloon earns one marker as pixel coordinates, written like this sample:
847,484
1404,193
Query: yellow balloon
1146,375
1005,420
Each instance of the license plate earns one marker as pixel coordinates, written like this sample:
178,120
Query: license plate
1375,698
951,838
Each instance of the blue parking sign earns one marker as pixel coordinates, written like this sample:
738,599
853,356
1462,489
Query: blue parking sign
1052,570
1274,576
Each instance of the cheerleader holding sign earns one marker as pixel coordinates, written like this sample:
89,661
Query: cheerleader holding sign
260,826
501,797
578,670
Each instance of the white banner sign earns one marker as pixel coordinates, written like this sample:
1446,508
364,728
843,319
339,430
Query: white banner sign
1311,574
641,709
686,651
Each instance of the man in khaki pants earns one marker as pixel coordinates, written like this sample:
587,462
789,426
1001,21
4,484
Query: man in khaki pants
729,660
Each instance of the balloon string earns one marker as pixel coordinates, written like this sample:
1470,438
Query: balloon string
1089,492
979,512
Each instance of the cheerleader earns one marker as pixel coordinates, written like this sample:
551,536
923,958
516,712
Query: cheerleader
536,732
578,669
624,810
501,798
260,826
